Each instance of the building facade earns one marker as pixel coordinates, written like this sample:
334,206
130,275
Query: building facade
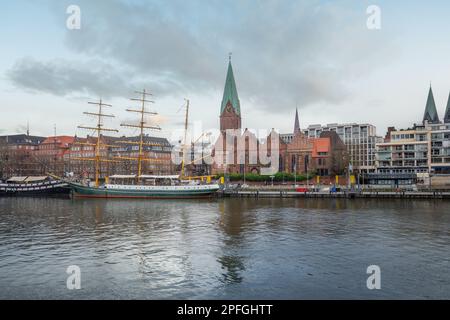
17,156
81,157
156,155
25,155
51,154
240,151
424,148
119,155
360,140
406,152
440,147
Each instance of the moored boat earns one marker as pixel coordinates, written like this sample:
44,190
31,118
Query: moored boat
149,187
138,185
33,186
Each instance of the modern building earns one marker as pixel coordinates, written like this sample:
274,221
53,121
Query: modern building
406,152
440,147
424,148
360,140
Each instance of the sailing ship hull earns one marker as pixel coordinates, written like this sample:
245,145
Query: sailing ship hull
144,192
38,190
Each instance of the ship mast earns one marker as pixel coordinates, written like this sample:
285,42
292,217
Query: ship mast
141,126
98,129
186,121
183,149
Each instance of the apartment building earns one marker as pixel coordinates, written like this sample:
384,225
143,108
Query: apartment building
406,152
424,148
439,136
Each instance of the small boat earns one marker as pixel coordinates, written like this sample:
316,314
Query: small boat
149,186
33,186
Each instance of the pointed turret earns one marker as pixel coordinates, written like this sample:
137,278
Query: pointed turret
297,123
230,94
447,111
430,114
230,109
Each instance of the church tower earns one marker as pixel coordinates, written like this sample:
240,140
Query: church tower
447,111
230,111
430,114
296,123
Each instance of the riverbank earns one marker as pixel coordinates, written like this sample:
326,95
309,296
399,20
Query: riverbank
342,194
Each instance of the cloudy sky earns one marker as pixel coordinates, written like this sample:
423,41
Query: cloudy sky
317,55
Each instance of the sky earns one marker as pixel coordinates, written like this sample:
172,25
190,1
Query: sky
318,56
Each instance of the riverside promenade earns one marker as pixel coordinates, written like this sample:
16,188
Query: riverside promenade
252,193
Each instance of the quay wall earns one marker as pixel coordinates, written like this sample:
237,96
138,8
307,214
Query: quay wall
342,194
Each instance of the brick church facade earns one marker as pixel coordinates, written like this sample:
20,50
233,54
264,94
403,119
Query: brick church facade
240,151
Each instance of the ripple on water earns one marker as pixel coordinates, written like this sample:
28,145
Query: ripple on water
224,248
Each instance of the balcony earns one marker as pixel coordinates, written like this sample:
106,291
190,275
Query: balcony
436,160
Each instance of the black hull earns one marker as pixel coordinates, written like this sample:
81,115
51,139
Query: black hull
50,192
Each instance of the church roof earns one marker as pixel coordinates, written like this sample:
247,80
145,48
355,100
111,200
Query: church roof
430,114
447,111
230,92
297,123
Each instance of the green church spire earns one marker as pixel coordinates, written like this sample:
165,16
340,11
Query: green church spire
230,92
447,111
430,114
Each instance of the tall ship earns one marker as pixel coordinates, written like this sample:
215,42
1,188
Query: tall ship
139,185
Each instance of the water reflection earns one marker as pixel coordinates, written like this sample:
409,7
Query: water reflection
233,266
232,221
224,248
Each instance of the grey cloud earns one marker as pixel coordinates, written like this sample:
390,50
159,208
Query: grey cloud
91,78
63,77
285,52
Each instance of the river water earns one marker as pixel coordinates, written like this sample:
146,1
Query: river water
224,248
